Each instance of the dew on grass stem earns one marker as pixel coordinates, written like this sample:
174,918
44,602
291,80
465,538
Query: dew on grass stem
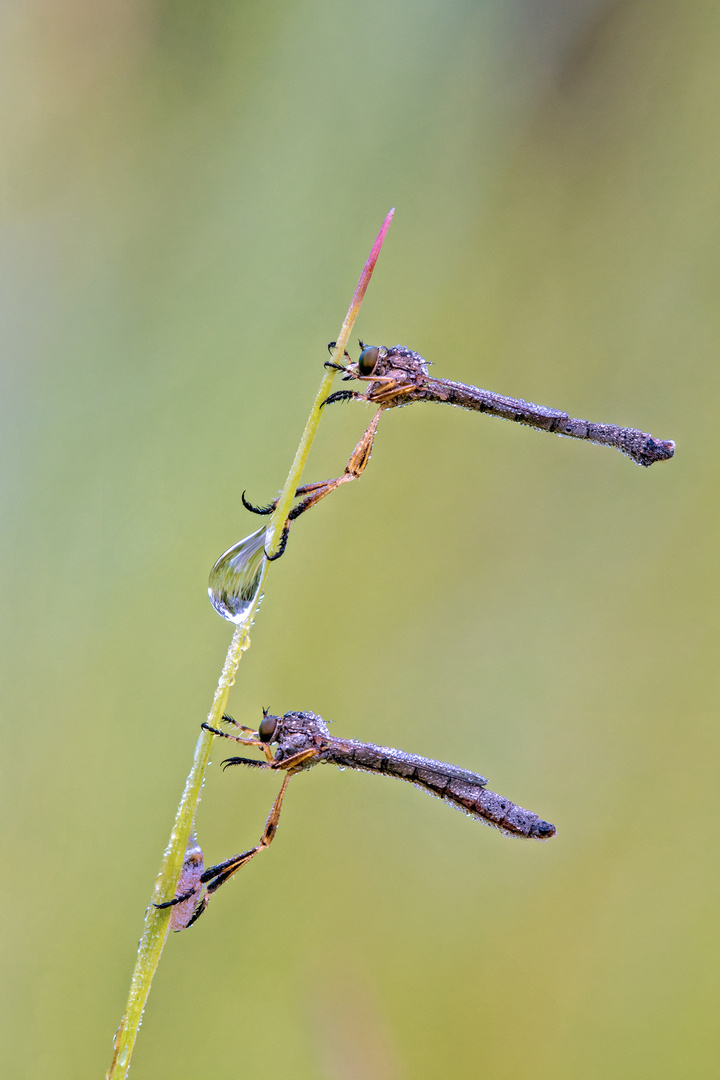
235,578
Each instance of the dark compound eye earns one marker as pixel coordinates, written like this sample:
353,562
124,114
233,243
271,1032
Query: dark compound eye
267,728
368,359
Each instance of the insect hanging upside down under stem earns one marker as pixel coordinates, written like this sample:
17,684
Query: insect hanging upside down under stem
397,376
303,741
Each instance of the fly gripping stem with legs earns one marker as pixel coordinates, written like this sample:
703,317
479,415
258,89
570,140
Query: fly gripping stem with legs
303,740
398,376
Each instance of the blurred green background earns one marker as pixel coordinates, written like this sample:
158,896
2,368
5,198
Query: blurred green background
189,192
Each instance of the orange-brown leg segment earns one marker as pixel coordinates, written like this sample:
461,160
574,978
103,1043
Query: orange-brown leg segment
355,467
215,876
313,493
245,741
389,394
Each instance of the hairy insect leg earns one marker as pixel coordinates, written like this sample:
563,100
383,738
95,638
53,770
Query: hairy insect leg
313,493
310,494
200,907
282,545
355,467
332,345
344,395
386,395
176,900
332,366
217,875
291,765
304,489
235,738
241,727
262,510
243,740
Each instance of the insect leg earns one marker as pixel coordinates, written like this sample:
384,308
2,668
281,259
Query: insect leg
343,395
386,395
333,345
357,463
332,366
217,875
235,738
354,469
244,741
262,510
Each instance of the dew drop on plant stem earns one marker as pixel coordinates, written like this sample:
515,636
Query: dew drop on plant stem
235,578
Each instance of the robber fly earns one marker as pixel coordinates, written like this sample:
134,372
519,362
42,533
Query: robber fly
302,740
397,376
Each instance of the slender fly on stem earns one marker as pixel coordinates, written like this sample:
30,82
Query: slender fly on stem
303,741
397,376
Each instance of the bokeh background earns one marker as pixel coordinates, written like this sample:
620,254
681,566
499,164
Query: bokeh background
189,192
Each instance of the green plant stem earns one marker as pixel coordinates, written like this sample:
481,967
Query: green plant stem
157,922
288,492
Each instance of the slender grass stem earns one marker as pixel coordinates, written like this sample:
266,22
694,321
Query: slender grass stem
293,480
157,921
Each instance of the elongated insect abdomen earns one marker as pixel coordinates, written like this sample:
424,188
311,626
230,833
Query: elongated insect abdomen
460,788
640,446
432,774
496,810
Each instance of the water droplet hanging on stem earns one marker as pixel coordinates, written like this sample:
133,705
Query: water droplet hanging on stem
235,578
